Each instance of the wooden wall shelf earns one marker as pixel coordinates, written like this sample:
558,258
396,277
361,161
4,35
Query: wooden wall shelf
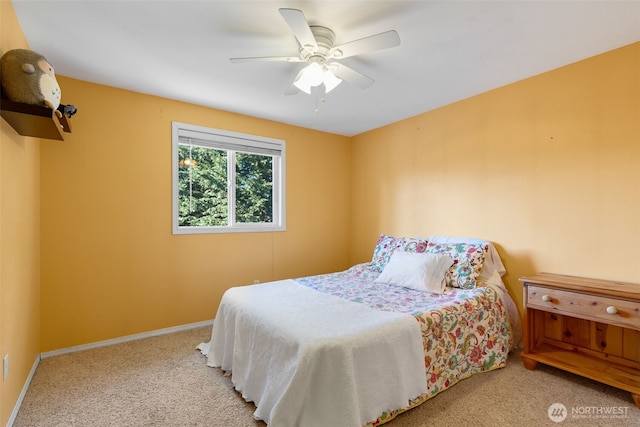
33,120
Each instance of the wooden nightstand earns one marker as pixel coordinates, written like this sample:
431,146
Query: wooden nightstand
586,326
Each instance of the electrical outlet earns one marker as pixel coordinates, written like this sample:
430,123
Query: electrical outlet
255,282
5,367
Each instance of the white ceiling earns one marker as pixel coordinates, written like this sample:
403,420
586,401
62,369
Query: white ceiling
450,50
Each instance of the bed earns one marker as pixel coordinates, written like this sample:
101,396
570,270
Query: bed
361,346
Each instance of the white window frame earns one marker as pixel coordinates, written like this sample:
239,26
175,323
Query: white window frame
231,141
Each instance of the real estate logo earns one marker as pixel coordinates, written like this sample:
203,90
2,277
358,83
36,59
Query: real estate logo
557,412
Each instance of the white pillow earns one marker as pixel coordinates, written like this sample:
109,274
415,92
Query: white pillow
419,271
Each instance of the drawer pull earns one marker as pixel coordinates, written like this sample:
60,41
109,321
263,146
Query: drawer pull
546,298
612,309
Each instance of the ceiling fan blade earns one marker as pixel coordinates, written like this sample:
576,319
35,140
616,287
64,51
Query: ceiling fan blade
367,44
268,59
350,75
300,27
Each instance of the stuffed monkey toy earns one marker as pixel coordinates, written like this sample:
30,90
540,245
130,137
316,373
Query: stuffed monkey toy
28,77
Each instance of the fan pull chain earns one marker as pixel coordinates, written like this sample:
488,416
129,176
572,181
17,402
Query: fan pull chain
319,97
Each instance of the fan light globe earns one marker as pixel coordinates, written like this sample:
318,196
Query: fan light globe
305,88
314,75
330,81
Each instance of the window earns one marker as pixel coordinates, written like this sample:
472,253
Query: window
225,182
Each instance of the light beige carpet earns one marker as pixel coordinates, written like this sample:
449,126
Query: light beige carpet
164,381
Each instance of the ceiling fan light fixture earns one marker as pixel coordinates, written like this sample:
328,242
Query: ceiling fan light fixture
316,46
314,75
330,81
302,86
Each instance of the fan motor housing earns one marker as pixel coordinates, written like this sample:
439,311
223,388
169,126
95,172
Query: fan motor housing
325,39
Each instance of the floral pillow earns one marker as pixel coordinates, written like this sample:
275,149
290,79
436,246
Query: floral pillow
467,262
388,244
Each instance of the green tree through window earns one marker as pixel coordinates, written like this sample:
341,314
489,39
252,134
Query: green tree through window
202,186
254,188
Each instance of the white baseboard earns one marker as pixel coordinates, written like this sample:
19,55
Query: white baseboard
126,338
18,404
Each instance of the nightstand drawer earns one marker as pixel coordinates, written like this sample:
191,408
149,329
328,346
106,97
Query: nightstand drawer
591,307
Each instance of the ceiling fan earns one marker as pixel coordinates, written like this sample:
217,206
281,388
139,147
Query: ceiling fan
317,50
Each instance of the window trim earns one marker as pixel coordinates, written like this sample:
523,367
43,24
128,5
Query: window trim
228,140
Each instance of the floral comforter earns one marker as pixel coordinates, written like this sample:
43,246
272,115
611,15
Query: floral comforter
464,331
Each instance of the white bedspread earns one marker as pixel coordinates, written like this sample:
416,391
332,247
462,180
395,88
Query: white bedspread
306,358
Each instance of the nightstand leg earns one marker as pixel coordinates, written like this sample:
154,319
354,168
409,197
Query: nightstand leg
530,364
636,399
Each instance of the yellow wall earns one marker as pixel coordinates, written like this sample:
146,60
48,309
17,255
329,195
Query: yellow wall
110,264
547,168
19,241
